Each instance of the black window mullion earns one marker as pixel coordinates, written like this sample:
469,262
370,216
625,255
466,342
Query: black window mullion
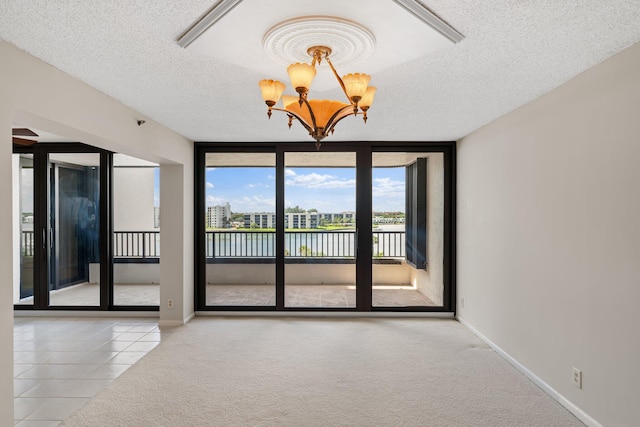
280,243
416,214
106,231
363,236
41,226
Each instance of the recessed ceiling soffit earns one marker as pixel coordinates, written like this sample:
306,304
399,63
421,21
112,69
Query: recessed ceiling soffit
269,35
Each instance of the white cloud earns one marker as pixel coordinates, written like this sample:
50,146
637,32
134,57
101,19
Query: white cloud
316,180
210,185
258,185
259,199
253,204
289,172
212,201
387,187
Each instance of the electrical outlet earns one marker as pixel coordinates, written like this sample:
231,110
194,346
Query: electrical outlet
169,303
577,377
462,302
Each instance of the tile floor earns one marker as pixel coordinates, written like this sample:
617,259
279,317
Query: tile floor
330,296
61,362
88,294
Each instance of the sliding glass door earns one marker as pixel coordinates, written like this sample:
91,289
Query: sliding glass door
320,229
88,235
408,232
238,229
73,229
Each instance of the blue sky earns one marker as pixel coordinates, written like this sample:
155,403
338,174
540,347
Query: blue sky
253,189
326,189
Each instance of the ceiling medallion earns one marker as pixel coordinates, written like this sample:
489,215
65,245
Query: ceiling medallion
288,42
318,37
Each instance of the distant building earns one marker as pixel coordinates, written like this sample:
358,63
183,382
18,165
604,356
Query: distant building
156,216
261,220
219,216
295,220
388,219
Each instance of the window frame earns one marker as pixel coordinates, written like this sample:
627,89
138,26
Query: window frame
364,152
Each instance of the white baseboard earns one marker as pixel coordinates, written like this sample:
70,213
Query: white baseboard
345,314
170,323
574,409
176,323
83,313
190,317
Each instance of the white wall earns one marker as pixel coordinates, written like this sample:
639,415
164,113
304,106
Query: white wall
6,268
126,273
35,94
549,237
176,250
133,199
306,274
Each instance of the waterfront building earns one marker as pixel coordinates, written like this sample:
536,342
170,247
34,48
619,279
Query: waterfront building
291,220
218,216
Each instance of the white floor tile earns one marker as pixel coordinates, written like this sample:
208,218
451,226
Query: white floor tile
62,362
37,372
127,357
107,372
25,406
64,357
22,386
144,346
130,336
19,369
48,388
72,371
26,357
114,346
97,357
27,423
84,388
57,408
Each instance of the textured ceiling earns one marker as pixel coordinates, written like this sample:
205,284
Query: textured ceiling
513,52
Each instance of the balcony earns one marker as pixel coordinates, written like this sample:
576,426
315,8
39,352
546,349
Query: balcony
320,266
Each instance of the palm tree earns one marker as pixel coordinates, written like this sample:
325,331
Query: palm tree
305,251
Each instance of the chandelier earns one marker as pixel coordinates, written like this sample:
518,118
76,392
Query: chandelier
319,117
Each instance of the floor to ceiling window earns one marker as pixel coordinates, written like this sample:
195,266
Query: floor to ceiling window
238,229
24,212
362,226
320,229
408,232
136,232
64,238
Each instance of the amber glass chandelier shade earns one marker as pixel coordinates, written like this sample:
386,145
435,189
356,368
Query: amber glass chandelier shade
301,75
271,90
289,99
323,110
367,99
356,84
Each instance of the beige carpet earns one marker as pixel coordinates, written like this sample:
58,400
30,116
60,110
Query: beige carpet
322,372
